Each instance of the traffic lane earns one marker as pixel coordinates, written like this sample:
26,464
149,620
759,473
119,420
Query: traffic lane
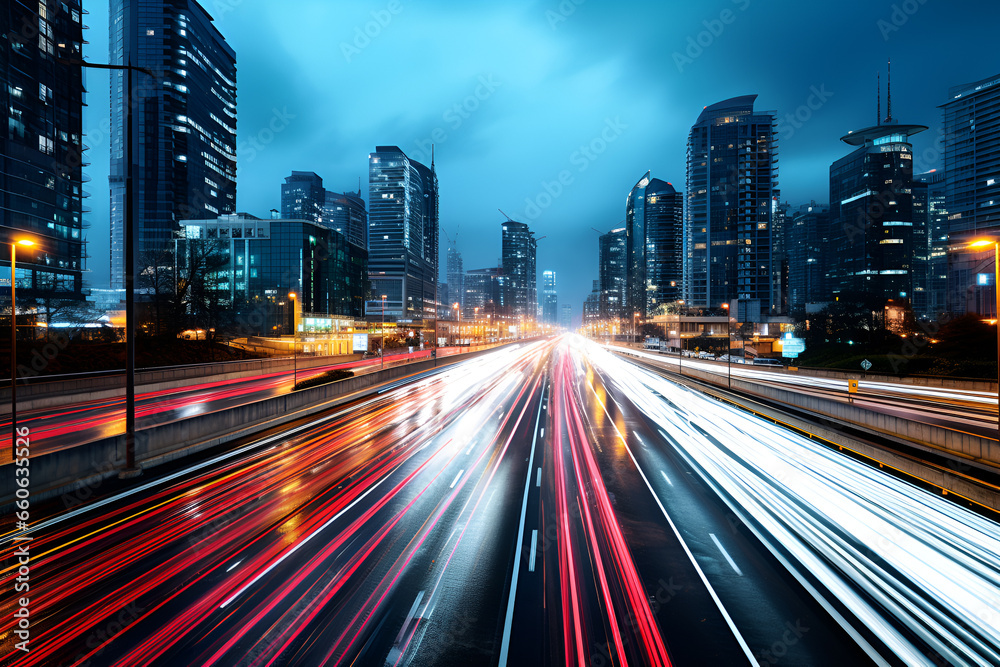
70,425
982,401
968,418
198,510
601,569
768,605
912,568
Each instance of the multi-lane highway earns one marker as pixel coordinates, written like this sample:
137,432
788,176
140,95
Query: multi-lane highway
964,410
543,504
73,422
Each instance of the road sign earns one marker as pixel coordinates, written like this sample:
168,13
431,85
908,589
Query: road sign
792,347
852,386
867,365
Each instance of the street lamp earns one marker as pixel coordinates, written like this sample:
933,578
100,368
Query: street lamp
130,469
475,321
635,327
457,316
27,243
382,351
295,361
981,244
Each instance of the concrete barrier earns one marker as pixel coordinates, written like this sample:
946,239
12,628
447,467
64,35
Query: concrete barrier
76,473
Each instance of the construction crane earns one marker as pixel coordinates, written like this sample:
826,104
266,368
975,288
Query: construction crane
452,242
509,219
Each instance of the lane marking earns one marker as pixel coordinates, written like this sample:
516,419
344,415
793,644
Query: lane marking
701,575
457,477
538,480
543,433
725,553
666,478
505,642
233,565
638,438
531,558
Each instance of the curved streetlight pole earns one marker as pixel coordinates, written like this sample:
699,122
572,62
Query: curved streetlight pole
382,351
295,360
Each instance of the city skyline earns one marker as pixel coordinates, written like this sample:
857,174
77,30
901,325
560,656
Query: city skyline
540,102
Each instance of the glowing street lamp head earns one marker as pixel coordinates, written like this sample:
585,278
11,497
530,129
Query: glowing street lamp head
982,243
292,296
27,243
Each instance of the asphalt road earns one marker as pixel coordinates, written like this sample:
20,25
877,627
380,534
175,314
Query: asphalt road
542,504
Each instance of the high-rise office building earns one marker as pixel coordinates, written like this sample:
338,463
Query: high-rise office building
806,247
972,192
402,235
303,197
664,210
592,305
518,248
485,289
550,298
456,278
731,185
566,316
184,119
937,241
41,146
267,259
871,212
345,212
780,222
613,262
635,248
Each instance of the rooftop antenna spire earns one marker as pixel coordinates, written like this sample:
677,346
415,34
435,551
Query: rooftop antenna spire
888,95
432,157
878,112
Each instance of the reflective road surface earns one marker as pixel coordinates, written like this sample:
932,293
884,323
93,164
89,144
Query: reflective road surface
542,504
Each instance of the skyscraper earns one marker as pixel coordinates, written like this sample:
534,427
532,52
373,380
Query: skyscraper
731,183
485,290
518,257
635,248
806,247
345,213
402,235
41,147
303,197
456,278
972,192
184,141
937,241
664,208
871,212
612,266
550,298
566,316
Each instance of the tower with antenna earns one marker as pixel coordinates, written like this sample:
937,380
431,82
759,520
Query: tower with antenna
877,220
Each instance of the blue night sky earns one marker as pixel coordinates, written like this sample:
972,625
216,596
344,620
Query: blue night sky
514,93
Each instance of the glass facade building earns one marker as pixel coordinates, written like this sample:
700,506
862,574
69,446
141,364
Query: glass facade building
518,249
402,235
872,240
613,262
267,259
303,197
664,208
550,298
635,248
346,213
972,192
937,242
41,147
806,246
485,289
184,124
456,279
731,186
